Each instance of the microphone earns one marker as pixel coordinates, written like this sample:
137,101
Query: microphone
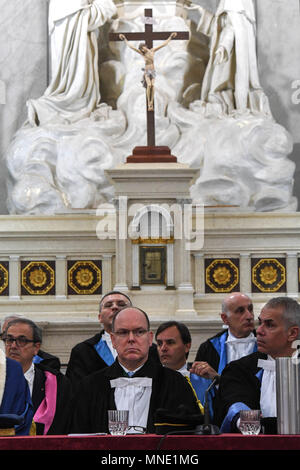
208,428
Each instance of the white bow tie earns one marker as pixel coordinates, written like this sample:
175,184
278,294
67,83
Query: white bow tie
266,364
241,340
134,381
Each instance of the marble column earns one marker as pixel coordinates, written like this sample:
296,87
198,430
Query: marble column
107,272
61,277
245,273
292,274
14,277
199,275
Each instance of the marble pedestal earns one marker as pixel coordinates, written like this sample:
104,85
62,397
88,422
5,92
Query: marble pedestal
155,196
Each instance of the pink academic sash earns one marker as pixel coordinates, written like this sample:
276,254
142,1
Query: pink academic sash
46,411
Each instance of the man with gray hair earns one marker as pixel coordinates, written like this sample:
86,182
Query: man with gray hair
42,356
236,341
50,390
250,382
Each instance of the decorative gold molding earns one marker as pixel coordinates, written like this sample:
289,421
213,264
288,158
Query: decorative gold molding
152,241
4,277
37,278
222,275
268,275
85,278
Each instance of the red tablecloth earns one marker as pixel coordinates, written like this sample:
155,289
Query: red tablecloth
151,442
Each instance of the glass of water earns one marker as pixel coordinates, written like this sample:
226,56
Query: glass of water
250,422
118,422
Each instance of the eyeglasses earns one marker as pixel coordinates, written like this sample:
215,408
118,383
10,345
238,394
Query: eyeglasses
138,332
136,430
20,341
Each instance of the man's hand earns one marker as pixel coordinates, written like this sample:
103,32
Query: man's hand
203,369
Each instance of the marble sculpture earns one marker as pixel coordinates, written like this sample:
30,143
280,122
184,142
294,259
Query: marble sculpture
214,116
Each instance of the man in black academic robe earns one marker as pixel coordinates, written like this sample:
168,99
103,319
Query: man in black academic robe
236,341
239,389
214,354
42,356
132,338
169,390
85,360
241,381
94,354
50,390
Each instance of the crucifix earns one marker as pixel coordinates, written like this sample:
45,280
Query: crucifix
148,36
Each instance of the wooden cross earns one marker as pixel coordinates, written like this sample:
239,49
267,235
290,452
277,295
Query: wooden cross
148,36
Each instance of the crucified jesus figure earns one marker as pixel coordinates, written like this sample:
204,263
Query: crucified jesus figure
149,70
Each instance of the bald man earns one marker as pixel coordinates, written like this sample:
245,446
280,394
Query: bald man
237,340
234,342
135,382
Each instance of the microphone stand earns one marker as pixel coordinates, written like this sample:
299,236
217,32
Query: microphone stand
208,428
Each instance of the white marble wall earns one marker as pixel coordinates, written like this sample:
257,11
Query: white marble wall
23,65
278,49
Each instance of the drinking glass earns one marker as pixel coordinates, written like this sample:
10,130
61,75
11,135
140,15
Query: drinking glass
118,422
250,422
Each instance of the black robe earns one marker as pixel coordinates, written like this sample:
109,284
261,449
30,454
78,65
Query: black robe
95,396
208,353
84,359
61,421
240,384
48,360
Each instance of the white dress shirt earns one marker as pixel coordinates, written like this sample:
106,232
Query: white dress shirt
239,347
133,394
29,376
268,387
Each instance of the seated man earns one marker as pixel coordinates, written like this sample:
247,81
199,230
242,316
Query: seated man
95,353
234,342
50,390
250,382
14,395
48,359
135,382
174,342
